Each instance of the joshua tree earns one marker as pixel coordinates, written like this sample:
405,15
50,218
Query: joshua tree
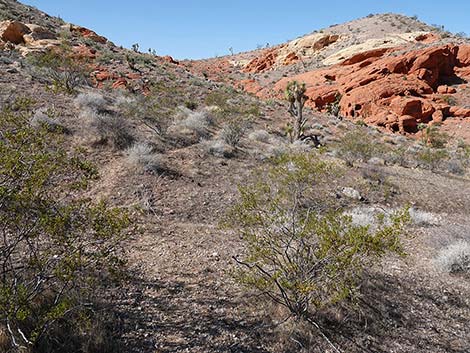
295,94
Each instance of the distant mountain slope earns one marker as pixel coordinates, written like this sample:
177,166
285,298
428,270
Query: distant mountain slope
388,70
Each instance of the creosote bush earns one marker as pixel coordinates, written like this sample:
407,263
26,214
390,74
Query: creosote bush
298,255
233,131
357,145
112,129
61,68
57,251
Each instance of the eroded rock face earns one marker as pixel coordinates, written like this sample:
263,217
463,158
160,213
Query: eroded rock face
264,62
26,38
396,92
291,53
38,33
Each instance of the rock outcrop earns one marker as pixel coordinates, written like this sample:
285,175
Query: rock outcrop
13,32
396,92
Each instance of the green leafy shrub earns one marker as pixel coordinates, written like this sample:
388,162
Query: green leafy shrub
57,251
61,69
431,136
431,158
296,256
357,145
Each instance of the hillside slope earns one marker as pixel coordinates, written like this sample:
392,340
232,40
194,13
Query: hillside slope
171,142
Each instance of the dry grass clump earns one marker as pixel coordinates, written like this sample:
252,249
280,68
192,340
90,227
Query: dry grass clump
111,129
219,148
91,100
191,125
260,136
142,155
455,258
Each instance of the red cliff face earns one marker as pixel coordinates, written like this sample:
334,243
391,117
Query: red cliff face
397,91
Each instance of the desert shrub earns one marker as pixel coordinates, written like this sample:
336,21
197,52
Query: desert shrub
61,69
191,105
91,100
112,129
145,109
297,257
41,119
456,166
449,100
141,154
431,136
334,109
260,136
423,218
233,131
455,258
217,98
219,148
188,121
431,158
357,146
58,252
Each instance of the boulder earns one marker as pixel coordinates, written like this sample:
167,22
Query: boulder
120,83
38,33
13,31
459,112
88,33
438,116
81,51
463,56
408,123
170,60
444,89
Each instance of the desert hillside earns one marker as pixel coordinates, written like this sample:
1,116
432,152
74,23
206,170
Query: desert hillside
151,205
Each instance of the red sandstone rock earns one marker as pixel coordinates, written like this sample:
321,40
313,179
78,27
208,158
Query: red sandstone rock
463,55
446,89
170,60
105,76
263,62
133,76
375,53
13,31
290,59
408,123
381,89
459,112
250,86
88,33
438,116
83,52
428,38
120,83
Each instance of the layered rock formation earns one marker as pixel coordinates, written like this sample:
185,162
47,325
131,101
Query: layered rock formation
395,91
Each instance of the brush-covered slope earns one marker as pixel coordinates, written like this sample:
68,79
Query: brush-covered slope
169,143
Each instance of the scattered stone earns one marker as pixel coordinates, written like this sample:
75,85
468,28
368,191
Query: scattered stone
352,194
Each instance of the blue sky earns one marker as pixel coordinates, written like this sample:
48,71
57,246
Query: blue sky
205,28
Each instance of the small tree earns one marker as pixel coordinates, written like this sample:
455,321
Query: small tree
295,255
295,95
